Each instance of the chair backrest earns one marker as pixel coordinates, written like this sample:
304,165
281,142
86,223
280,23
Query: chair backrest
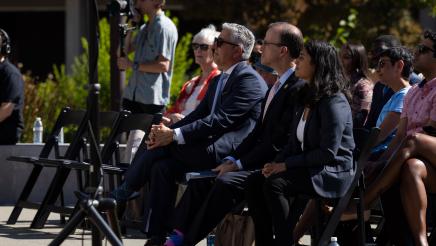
108,118
125,123
78,142
360,136
343,201
66,117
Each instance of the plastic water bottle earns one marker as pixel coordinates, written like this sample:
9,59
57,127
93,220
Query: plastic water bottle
37,130
333,241
210,240
61,136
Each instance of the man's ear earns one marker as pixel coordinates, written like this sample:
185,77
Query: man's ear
284,50
238,52
399,65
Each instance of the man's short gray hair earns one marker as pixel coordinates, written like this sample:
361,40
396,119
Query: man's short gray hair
242,36
208,33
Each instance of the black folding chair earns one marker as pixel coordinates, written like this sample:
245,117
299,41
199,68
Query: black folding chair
67,117
111,152
325,229
107,119
124,122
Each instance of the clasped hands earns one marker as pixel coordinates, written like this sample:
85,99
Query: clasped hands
273,168
268,169
160,135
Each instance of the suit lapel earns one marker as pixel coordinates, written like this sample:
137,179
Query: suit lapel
231,78
289,84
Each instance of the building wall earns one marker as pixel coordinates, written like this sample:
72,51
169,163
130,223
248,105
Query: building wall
48,32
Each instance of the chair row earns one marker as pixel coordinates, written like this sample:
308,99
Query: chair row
76,157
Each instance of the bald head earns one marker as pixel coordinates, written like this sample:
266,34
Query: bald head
290,36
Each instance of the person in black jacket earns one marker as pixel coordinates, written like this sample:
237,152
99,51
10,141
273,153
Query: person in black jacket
318,158
11,95
205,203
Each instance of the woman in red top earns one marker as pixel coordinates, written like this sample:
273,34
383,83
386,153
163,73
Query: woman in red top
194,90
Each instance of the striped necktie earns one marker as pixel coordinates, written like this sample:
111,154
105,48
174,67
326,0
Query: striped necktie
219,89
271,95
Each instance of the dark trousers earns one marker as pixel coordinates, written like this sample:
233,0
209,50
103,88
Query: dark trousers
271,208
206,202
138,108
161,168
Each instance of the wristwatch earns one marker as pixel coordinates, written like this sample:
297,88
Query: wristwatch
135,66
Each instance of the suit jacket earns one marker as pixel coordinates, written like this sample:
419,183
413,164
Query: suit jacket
270,134
236,112
328,146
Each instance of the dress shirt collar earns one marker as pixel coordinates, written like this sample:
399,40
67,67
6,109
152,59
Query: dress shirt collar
285,76
230,69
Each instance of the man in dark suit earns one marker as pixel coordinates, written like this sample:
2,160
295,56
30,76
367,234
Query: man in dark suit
226,115
205,203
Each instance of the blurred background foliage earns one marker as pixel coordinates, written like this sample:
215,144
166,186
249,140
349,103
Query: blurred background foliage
45,99
319,19
337,21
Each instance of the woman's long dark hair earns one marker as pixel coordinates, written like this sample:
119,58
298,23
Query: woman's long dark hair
359,61
328,78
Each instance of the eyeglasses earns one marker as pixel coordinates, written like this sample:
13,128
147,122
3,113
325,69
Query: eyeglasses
219,42
202,47
271,43
382,62
422,49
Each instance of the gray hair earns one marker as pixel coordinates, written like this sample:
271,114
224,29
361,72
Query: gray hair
208,33
242,36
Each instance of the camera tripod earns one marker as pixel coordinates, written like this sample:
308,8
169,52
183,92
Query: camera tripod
91,202
90,207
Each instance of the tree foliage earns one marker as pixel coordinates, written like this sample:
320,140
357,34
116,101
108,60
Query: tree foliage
320,19
46,99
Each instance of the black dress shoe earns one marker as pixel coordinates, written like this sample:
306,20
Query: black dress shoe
155,241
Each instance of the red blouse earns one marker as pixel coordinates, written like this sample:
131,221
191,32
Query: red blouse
188,88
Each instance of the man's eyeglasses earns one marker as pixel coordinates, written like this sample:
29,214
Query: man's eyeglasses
272,43
382,62
219,42
422,49
202,47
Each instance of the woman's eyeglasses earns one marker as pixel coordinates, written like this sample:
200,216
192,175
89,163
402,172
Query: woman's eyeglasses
219,42
422,49
202,47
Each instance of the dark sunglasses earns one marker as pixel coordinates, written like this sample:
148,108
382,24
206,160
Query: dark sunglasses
202,47
219,42
382,62
422,49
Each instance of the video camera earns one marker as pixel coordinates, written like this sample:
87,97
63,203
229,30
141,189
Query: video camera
122,7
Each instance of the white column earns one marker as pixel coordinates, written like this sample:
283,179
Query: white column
74,25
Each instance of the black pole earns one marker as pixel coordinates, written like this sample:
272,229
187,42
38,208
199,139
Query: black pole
94,87
93,104
117,76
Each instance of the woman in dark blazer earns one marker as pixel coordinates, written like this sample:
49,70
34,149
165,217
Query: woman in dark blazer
318,160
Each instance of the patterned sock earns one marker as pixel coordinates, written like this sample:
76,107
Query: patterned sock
176,239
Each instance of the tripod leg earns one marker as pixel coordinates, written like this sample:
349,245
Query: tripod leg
113,221
101,224
68,229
